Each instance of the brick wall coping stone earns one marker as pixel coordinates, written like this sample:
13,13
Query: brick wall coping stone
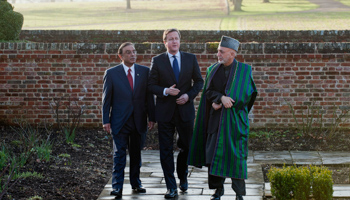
197,48
139,36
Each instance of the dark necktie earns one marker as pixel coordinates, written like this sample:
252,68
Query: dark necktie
176,69
130,80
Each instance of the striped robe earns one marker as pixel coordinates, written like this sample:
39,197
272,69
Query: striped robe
231,151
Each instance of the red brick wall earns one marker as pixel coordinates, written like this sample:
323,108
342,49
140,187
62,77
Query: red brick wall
31,74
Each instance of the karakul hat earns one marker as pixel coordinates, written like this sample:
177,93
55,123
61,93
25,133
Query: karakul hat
229,43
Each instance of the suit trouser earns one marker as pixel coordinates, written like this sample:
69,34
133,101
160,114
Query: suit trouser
166,132
238,185
127,138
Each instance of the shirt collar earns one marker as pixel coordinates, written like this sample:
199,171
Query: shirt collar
126,68
177,55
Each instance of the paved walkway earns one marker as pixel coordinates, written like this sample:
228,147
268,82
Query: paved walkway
257,189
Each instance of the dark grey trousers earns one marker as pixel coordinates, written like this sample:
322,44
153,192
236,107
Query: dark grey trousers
238,185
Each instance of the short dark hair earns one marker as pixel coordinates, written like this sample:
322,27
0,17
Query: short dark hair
166,32
120,50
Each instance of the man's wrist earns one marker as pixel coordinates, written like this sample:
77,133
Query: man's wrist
165,92
222,96
218,100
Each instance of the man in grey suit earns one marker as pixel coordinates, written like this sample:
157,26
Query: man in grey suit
175,79
126,105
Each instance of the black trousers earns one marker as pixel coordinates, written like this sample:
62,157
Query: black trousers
166,131
238,185
127,138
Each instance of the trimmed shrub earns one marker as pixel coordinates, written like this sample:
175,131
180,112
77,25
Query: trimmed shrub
282,182
302,177
299,182
322,183
11,22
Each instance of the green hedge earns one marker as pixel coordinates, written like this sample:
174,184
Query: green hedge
322,186
299,182
11,22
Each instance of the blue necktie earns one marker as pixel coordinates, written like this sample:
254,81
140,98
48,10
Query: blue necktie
176,69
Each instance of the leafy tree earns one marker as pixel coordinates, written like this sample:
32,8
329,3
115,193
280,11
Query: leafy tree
11,22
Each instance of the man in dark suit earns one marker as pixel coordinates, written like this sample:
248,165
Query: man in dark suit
126,104
175,79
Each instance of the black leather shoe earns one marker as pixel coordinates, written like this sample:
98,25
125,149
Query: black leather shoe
171,193
183,185
117,192
217,195
139,189
239,197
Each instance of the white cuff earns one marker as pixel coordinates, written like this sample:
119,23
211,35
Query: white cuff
164,94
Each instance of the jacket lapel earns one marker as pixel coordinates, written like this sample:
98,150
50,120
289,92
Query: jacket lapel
183,67
168,66
137,76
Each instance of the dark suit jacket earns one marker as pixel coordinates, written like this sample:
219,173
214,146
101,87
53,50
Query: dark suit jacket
162,76
119,102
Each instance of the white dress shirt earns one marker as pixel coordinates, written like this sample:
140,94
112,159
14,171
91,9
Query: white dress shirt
178,58
171,58
126,69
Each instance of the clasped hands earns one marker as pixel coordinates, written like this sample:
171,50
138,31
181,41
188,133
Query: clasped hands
174,91
226,101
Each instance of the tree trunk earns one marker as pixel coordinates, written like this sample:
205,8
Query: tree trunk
227,7
238,5
128,6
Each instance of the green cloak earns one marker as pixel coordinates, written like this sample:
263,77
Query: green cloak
231,151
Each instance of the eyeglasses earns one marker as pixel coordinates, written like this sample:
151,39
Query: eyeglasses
130,52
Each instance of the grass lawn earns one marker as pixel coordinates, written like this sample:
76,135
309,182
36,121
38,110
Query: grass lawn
301,21
183,14
345,2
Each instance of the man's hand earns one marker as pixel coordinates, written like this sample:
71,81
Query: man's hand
107,127
227,102
216,106
172,90
150,125
182,99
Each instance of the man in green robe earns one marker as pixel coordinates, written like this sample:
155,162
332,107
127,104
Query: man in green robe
220,138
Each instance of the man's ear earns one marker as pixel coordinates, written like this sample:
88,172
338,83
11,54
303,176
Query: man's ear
234,53
120,56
